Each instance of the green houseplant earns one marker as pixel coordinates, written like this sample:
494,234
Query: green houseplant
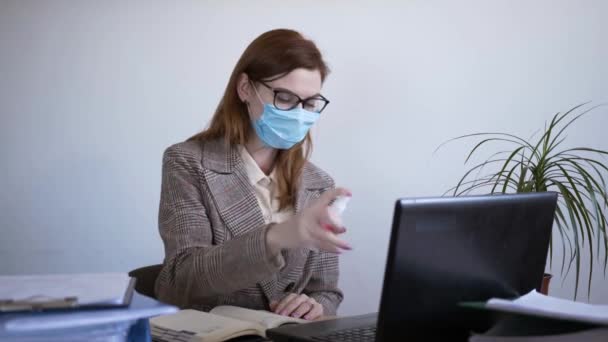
543,164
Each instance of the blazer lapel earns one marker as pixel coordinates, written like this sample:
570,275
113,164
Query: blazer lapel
230,188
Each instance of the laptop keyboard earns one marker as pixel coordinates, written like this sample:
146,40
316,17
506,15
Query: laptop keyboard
354,334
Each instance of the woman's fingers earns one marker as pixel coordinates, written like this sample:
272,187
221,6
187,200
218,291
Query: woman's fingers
328,241
328,196
303,309
333,228
293,305
315,312
273,305
299,306
333,239
283,303
328,247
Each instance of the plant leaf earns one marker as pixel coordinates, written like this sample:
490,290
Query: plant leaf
520,140
507,163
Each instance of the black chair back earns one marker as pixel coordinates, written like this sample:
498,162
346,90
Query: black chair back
145,279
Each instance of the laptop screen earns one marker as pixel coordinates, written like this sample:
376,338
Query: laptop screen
452,249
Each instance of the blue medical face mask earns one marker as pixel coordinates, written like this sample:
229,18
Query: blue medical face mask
282,129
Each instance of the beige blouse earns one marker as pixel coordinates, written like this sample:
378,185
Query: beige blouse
265,190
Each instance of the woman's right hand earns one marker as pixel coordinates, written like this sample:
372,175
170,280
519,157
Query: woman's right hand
314,227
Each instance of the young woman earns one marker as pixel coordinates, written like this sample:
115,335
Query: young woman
243,214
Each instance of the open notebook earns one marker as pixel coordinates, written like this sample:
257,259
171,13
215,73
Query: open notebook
220,324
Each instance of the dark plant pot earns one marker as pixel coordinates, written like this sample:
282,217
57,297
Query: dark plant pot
544,287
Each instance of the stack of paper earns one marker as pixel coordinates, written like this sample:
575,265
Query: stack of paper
539,318
537,304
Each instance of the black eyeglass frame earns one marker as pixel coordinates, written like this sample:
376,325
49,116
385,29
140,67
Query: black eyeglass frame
300,100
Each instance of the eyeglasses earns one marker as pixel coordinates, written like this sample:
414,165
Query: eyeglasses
286,100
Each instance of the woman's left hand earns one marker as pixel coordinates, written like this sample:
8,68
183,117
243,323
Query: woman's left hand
298,306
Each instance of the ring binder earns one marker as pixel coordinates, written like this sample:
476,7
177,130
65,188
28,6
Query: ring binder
65,292
35,304
81,324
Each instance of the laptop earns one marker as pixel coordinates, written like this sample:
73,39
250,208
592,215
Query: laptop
444,251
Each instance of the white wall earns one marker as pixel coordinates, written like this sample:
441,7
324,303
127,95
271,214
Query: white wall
91,92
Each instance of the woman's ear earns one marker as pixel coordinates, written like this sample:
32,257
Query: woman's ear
243,87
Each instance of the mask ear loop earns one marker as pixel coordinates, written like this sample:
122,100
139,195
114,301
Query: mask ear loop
247,102
257,93
315,130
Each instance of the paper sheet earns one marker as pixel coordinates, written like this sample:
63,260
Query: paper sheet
538,304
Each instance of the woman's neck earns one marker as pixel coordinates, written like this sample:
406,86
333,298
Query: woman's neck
264,156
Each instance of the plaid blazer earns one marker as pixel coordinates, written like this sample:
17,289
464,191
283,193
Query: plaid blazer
214,235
